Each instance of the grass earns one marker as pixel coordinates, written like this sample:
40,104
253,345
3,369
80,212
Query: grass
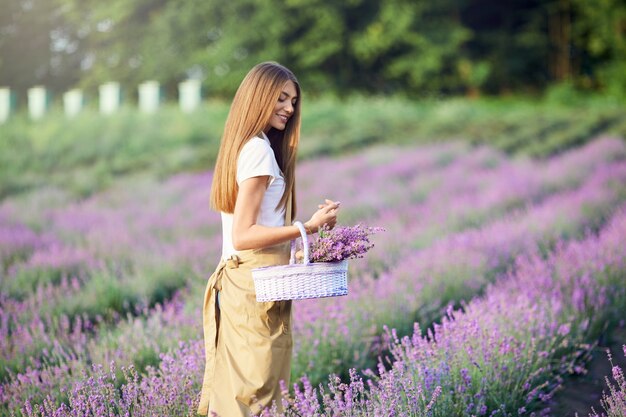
86,154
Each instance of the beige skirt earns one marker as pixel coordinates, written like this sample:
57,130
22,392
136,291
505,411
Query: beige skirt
247,343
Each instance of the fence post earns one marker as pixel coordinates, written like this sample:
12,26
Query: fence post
109,97
73,102
149,96
6,104
37,102
189,95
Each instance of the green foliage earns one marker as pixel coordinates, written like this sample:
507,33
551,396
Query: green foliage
401,46
88,153
564,93
26,280
104,295
108,293
32,47
602,37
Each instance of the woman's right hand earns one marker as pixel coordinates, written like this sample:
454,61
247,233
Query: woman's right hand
326,215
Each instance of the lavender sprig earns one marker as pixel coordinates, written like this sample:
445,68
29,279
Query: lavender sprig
343,242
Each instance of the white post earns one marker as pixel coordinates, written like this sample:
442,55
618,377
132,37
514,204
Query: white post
5,104
109,97
73,102
189,95
37,102
149,96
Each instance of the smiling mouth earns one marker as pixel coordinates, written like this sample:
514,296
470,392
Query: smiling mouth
283,118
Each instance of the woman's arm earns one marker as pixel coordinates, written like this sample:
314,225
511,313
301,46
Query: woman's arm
249,235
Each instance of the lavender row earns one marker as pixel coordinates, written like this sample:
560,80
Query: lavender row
84,237
418,205
502,356
57,342
343,332
132,223
37,330
99,223
516,229
135,342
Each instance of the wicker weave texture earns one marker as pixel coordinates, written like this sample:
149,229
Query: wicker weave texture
301,281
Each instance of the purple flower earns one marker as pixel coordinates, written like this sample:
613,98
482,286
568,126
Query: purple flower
342,242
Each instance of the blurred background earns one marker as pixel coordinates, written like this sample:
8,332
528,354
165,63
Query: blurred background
534,77
407,47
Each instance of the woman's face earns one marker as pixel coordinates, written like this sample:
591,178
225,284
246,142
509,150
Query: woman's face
284,108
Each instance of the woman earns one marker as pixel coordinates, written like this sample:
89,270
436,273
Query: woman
248,343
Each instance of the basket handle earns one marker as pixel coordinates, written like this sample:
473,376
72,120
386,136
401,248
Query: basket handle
305,245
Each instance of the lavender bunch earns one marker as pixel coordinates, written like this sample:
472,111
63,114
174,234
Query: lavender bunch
340,243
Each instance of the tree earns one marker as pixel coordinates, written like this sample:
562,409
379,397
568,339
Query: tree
35,47
511,39
599,32
414,47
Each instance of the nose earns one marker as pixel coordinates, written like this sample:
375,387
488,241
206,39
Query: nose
289,107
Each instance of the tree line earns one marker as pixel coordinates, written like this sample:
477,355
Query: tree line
412,47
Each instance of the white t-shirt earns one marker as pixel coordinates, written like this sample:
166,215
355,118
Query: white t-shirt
257,159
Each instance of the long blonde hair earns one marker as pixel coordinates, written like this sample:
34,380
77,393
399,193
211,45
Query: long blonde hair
250,112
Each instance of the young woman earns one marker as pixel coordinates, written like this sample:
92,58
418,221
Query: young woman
248,343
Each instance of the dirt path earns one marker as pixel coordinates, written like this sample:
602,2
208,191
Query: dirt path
580,393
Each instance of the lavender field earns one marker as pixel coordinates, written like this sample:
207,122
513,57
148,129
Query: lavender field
493,278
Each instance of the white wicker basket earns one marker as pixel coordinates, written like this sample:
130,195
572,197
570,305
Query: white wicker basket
300,281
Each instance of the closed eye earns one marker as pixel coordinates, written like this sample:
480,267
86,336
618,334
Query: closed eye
284,96
283,99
